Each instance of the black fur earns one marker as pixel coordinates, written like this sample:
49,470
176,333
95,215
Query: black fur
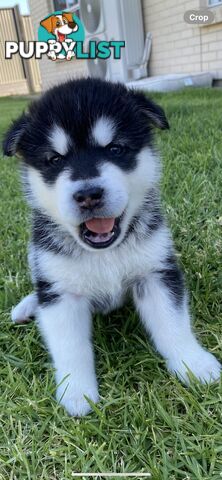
75,106
13,137
155,222
173,279
45,293
171,276
149,218
88,99
50,236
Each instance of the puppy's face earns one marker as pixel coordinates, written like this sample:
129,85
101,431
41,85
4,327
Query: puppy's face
86,147
64,24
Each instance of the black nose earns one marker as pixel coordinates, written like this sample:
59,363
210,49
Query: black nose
89,198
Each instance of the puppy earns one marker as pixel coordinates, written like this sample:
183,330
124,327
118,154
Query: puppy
91,174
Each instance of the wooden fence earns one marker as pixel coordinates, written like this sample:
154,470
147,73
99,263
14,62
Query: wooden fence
17,76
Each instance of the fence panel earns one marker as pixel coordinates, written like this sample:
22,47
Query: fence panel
32,62
17,76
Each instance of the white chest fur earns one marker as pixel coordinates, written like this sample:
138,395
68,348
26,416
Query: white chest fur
103,272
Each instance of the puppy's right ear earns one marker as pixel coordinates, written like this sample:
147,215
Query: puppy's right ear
12,139
47,24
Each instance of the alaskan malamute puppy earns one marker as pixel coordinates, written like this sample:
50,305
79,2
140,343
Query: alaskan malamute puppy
91,175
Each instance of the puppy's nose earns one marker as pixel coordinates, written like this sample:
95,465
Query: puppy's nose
89,198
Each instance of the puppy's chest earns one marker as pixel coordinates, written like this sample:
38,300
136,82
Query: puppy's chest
90,275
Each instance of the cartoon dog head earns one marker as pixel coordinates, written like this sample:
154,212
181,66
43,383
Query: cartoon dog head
60,25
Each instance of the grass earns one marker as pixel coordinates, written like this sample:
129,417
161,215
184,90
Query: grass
146,420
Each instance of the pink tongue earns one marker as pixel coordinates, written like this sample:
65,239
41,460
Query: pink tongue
100,225
61,37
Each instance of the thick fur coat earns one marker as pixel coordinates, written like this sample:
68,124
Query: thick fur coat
91,176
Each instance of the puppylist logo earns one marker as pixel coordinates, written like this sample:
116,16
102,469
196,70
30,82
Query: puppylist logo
61,31
61,37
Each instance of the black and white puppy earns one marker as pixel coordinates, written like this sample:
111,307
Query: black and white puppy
91,176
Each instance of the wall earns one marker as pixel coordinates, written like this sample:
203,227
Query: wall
177,46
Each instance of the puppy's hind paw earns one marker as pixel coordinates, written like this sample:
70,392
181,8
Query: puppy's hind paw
25,309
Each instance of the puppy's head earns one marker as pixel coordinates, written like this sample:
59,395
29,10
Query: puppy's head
64,24
87,152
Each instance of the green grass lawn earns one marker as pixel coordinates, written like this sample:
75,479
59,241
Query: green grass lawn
146,420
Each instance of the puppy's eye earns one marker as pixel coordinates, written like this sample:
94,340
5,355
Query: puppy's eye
55,159
65,21
58,24
116,149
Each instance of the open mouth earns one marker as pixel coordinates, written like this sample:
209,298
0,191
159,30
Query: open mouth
100,232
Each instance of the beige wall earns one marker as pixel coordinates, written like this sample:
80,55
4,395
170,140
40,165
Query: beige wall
177,46
53,72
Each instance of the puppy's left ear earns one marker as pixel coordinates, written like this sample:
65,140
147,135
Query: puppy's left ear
69,17
154,113
12,139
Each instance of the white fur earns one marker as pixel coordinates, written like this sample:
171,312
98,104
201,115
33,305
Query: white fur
103,131
94,274
41,195
171,333
57,199
103,272
66,327
59,140
25,309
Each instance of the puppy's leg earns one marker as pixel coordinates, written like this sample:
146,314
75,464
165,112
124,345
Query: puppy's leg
65,323
162,304
25,309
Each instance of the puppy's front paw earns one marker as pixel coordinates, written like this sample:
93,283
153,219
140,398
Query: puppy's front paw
25,309
200,362
69,55
74,402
